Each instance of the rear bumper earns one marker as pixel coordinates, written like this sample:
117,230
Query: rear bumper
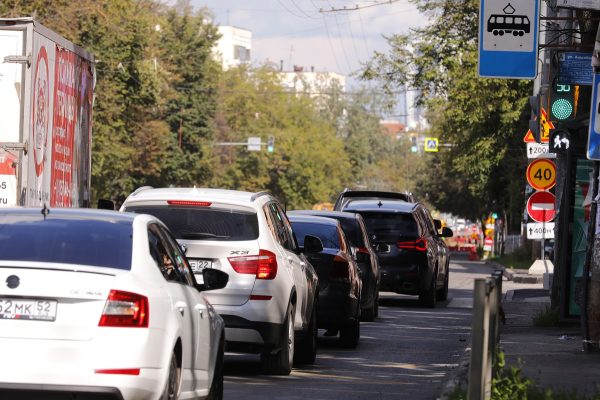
248,336
58,392
406,279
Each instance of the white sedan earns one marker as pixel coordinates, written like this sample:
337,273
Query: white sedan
103,304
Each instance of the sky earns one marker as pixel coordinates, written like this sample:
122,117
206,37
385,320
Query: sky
308,33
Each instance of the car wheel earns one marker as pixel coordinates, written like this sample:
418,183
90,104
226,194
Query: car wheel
368,314
172,385
281,362
376,305
306,352
428,297
350,335
216,387
443,292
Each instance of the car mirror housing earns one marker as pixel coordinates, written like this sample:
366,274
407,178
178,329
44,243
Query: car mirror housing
213,279
312,244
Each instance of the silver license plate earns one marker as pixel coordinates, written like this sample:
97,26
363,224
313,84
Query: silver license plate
199,264
28,309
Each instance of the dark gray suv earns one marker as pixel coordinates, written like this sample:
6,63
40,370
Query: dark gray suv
413,258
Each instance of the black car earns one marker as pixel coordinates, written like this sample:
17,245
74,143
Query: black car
349,195
413,258
339,280
356,232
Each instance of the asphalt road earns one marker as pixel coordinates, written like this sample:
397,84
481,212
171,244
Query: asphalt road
409,352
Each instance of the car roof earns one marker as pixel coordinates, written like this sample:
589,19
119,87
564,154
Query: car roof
326,213
381,206
313,219
71,213
218,195
348,195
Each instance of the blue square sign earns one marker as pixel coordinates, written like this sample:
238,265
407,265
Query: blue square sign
508,38
593,150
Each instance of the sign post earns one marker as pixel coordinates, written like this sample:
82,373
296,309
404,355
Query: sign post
508,39
593,148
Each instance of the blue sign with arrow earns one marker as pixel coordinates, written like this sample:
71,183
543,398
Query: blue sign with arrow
593,150
508,38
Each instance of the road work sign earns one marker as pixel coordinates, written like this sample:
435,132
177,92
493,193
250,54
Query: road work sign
508,39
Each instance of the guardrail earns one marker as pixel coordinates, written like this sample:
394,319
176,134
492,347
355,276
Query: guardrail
485,334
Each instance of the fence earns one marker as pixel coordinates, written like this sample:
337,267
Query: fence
485,333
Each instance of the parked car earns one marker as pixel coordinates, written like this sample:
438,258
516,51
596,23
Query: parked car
368,265
103,304
413,258
339,279
349,195
270,300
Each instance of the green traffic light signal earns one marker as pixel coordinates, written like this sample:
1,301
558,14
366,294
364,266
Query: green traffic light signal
562,101
562,109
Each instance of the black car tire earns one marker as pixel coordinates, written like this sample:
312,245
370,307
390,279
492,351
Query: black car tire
281,362
216,387
376,305
368,314
350,335
429,297
172,385
442,293
306,351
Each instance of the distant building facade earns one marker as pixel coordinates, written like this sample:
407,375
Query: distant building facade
234,48
392,128
312,82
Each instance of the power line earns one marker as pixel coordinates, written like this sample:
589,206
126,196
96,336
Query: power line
357,7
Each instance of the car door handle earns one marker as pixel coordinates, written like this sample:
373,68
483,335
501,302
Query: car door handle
181,306
302,265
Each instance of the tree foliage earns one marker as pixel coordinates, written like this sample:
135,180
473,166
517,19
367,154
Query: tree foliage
483,120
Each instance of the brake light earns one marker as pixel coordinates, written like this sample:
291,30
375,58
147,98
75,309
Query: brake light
340,268
263,265
362,250
125,310
189,203
131,371
419,245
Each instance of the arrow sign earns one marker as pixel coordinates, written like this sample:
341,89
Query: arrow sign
540,206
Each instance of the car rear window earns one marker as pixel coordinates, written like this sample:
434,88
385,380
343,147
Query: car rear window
70,241
353,232
205,223
390,226
327,233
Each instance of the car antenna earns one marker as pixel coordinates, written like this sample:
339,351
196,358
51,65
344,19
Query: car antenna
45,211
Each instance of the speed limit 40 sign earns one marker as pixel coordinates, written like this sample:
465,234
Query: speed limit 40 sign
541,174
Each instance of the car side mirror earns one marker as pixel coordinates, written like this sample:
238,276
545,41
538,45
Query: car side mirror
446,232
213,279
438,224
312,244
105,204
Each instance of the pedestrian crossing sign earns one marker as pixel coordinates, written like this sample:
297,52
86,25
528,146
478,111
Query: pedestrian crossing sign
431,145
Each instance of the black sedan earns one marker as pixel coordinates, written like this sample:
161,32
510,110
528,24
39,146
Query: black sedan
339,280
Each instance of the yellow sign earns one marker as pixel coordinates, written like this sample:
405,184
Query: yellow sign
541,174
431,144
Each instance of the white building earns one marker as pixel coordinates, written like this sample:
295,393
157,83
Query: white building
234,47
415,119
314,83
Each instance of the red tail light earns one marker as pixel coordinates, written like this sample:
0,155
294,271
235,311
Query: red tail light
340,268
419,245
362,250
264,265
189,203
131,371
125,310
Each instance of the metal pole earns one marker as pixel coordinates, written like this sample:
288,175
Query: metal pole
479,343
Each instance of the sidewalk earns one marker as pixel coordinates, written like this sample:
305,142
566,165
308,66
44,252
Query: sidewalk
551,356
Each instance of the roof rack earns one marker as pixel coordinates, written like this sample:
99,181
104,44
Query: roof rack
259,194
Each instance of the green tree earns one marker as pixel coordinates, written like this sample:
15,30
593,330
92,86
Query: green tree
483,119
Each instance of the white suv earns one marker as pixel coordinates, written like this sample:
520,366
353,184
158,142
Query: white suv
269,303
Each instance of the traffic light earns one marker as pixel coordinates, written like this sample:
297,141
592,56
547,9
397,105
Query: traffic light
535,102
563,101
271,144
414,147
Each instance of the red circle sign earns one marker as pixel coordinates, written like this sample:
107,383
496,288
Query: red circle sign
540,206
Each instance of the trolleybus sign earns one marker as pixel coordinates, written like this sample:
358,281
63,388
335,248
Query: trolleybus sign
508,39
